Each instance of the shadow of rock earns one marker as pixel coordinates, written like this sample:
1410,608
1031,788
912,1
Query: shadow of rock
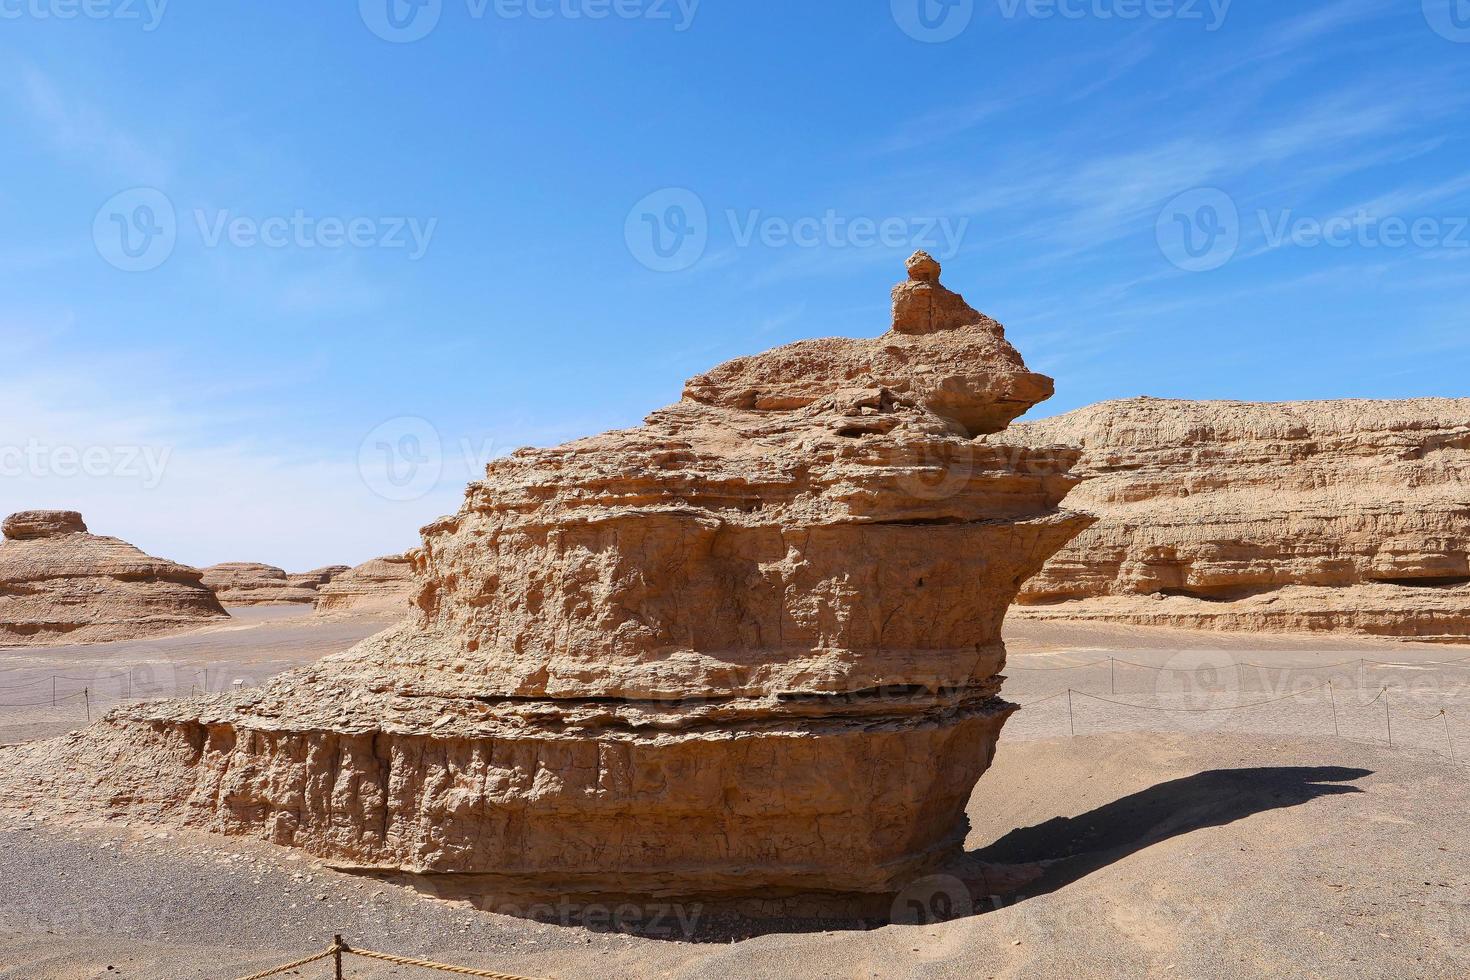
1068,848
1025,863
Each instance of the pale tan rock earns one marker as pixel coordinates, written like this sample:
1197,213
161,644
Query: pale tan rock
248,583
317,577
1346,515
749,648
61,584
382,585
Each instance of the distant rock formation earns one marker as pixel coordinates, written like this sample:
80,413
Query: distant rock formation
248,583
1327,515
382,585
749,651
317,577
61,584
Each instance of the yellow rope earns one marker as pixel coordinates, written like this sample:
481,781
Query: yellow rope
429,965
290,966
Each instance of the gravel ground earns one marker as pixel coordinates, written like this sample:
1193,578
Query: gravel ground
1169,842
257,643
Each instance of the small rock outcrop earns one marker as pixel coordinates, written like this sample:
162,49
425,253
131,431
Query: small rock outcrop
380,586
61,584
317,577
747,651
248,583
1348,515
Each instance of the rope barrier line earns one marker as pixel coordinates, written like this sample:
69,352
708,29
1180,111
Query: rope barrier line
431,965
339,948
1233,707
48,702
1067,667
1053,697
291,966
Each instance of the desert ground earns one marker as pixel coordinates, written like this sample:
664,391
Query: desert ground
1281,836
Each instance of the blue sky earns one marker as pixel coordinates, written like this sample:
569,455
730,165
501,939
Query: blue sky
360,261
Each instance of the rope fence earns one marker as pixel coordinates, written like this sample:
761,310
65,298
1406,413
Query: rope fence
338,949
1383,695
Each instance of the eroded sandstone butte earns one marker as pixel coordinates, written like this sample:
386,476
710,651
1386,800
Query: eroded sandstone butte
749,648
317,577
249,583
61,584
382,586
1320,515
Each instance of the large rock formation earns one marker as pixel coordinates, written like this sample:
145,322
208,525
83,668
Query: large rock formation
60,584
248,583
1328,515
751,647
381,586
317,577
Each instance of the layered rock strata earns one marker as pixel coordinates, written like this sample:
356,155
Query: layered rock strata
248,583
317,577
61,584
749,648
382,586
1329,515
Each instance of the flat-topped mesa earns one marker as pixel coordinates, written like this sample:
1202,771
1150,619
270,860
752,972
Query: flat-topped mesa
749,648
61,584
28,525
940,354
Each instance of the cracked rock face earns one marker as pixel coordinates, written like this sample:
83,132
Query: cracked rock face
751,647
60,584
1348,515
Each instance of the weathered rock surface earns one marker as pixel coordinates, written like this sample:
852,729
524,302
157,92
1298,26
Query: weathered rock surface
1329,515
382,585
750,648
248,583
60,584
317,577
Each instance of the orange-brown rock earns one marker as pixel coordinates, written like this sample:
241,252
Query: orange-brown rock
61,584
751,647
380,586
248,583
317,577
1330,515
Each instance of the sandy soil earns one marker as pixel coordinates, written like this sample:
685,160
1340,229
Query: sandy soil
1168,840
255,644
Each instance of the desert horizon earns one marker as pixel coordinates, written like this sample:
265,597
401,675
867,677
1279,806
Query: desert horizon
566,488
